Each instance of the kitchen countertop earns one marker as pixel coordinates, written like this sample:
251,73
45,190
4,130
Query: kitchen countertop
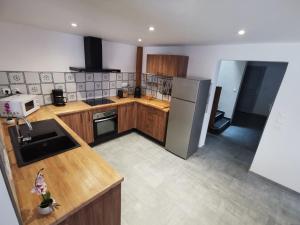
78,106
74,178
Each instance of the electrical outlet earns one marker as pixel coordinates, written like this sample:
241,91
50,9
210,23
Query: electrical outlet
5,91
15,91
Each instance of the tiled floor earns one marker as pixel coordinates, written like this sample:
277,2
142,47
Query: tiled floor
211,187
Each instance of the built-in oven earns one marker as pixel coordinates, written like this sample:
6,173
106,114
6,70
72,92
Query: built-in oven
105,125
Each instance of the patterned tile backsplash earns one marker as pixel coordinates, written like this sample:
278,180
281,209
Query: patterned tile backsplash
76,86
159,87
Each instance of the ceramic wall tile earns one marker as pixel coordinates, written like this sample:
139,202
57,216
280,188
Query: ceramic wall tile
119,84
81,95
98,85
80,86
112,77
89,86
125,76
105,85
71,87
47,89
112,92
58,77
71,97
47,99
105,93
16,77
97,76
70,77
32,77
89,77
90,94
105,76
112,85
41,99
80,77
98,94
34,89
46,77
3,78
119,76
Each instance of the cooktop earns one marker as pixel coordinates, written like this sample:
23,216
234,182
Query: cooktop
98,101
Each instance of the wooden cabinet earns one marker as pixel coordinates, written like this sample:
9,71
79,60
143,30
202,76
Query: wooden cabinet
126,117
168,65
81,123
152,122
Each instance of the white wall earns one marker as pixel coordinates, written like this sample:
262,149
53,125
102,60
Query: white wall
119,56
26,48
277,157
7,213
230,79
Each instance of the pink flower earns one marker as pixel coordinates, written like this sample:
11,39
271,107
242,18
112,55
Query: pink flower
40,186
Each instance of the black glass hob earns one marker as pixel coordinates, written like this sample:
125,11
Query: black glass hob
98,101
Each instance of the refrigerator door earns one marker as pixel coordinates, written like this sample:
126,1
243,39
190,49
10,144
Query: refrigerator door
179,127
185,89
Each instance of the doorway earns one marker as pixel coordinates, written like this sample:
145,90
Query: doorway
246,91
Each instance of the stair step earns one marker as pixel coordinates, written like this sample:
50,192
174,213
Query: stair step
219,115
220,125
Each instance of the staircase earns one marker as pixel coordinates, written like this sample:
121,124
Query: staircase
220,124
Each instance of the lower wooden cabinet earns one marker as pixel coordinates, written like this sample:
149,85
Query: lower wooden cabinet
81,123
126,117
152,122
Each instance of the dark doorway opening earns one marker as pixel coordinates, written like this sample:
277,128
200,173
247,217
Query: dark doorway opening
244,97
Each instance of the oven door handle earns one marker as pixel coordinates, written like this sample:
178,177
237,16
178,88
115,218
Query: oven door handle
101,120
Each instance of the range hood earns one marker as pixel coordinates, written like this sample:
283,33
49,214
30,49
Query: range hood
93,57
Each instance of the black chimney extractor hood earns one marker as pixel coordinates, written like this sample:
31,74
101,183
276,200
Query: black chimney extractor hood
93,57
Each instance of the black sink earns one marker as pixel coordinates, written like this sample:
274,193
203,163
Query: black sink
48,138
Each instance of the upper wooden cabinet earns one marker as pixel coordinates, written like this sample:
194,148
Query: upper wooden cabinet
167,65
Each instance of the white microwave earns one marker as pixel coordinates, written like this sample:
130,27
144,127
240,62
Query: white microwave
20,105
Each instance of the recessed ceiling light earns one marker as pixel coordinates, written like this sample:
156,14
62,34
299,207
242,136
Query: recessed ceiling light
74,24
140,40
151,28
241,32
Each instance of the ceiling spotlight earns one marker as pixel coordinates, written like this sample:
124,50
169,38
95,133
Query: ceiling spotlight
241,32
74,24
151,28
140,40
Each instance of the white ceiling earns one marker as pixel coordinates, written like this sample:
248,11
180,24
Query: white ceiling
176,21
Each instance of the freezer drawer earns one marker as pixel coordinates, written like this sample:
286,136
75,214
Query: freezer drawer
179,127
185,89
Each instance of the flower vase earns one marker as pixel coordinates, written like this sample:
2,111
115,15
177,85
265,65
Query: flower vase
46,210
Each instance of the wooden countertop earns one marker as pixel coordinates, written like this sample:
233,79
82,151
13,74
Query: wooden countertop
76,177
78,106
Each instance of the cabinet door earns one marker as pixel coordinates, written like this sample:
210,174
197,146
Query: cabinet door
82,124
126,117
152,122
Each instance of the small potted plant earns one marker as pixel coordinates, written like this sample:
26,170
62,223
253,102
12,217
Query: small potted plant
48,204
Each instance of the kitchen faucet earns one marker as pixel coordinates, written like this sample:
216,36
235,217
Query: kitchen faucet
21,138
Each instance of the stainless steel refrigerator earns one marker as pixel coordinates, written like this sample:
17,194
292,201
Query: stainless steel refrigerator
187,109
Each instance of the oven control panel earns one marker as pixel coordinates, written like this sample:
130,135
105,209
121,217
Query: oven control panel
101,115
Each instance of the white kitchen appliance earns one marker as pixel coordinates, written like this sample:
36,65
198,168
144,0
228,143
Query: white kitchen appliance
20,105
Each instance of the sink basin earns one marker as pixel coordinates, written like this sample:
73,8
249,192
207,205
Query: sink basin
48,138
